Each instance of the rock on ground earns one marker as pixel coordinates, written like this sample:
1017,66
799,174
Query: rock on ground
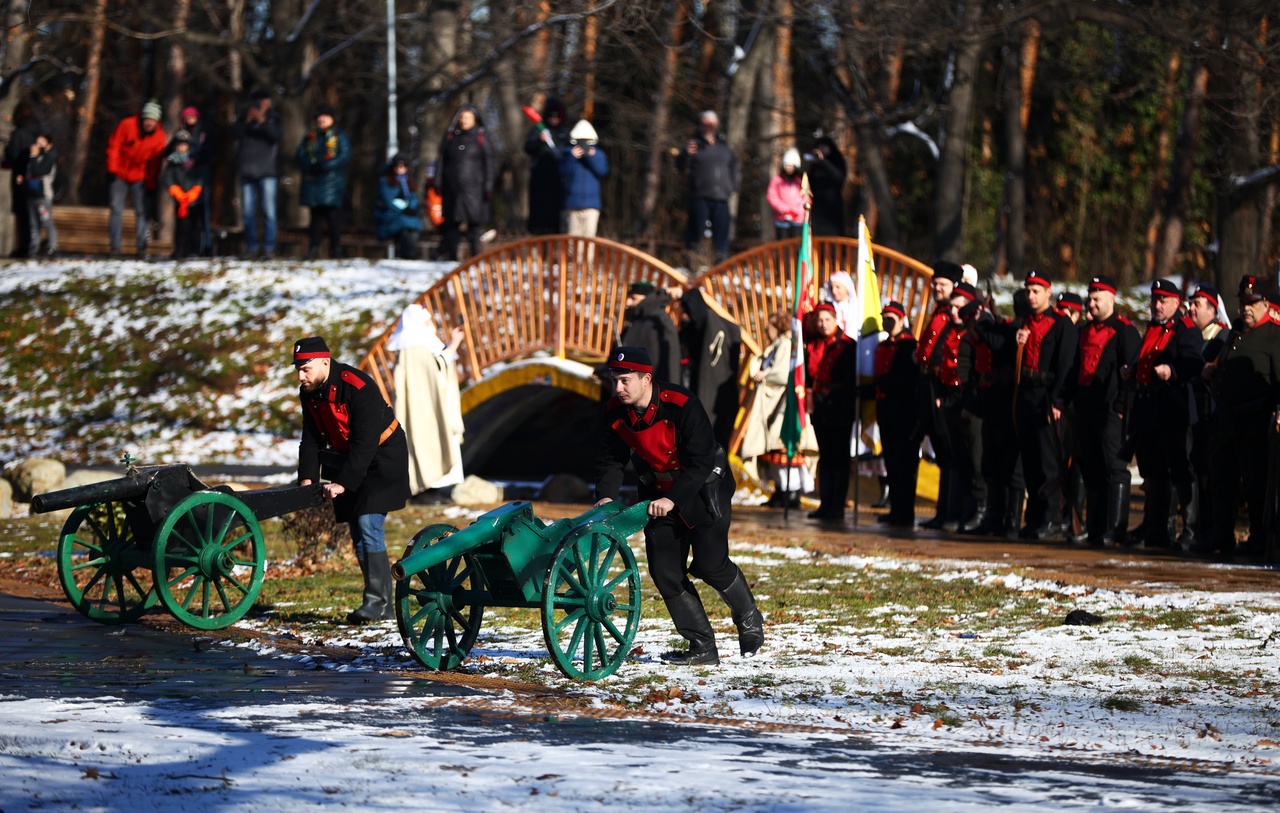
35,475
477,491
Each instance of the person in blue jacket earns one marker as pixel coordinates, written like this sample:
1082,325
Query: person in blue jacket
397,214
582,166
323,156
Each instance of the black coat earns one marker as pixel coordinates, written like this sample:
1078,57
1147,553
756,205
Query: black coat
465,173
826,183
712,170
16,154
546,189
375,476
714,347
1105,390
1246,382
1161,406
259,152
648,325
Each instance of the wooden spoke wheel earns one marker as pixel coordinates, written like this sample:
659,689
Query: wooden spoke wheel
209,560
104,573
591,604
439,610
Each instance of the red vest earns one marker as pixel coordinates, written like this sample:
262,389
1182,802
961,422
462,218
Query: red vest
655,444
1092,341
820,360
932,331
1039,325
948,372
332,418
1153,343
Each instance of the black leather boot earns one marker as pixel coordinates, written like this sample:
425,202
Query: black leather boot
692,624
1118,498
1013,500
746,616
1189,497
378,602
944,494
883,502
1155,516
977,520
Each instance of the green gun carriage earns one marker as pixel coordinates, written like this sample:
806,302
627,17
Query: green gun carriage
579,572
160,534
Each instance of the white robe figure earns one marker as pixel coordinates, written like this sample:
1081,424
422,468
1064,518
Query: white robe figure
427,401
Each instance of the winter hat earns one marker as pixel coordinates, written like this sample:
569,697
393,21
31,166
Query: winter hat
1102,282
894,308
190,111
182,137
945,269
1164,287
1037,278
642,288
630,359
969,274
326,110
1074,302
583,131
312,347
398,158
791,158
151,110
965,290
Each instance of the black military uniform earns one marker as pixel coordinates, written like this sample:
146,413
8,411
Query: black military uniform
1071,305
930,418
964,413
647,324
831,381
351,432
1245,385
1213,338
896,382
1047,357
671,446
714,348
1100,403
1163,414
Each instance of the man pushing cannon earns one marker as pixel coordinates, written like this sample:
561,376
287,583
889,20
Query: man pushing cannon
665,431
350,430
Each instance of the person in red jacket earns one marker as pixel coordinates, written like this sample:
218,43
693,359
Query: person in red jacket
134,152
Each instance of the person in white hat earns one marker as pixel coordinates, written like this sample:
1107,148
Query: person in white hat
786,197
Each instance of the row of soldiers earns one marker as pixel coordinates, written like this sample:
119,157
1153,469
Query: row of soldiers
1053,404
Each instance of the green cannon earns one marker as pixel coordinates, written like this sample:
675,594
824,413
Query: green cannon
160,534
579,572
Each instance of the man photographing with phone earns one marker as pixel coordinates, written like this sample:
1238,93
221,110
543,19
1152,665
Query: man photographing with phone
259,132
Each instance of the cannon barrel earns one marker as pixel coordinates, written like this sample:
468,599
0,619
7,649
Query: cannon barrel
123,488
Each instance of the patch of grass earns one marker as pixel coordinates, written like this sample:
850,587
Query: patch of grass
1138,663
1120,703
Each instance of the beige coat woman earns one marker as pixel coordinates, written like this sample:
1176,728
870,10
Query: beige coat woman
771,372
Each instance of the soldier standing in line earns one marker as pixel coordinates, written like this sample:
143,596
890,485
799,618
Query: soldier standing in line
1099,398
1168,361
664,431
896,381
831,381
965,414
929,417
1243,381
1072,306
1048,348
1207,312
351,433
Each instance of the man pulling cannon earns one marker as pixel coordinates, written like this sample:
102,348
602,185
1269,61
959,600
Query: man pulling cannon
350,430
664,430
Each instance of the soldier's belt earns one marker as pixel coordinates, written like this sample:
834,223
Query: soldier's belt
1036,377
665,476
389,431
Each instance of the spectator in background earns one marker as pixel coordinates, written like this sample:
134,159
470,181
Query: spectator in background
464,175
323,156
134,152
397,213
42,166
583,166
182,182
16,155
827,172
786,197
202,154
546,191
712,168
259,132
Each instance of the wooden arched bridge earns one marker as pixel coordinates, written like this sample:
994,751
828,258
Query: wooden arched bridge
563,297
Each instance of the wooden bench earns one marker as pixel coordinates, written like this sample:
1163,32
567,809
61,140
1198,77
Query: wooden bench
84,230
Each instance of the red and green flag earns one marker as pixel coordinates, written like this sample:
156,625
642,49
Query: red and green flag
793,416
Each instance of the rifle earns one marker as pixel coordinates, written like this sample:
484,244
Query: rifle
1064,466
1017,379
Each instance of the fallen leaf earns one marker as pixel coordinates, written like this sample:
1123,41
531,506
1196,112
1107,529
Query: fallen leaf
91,773
1272,743
897,723
938,724
917,708
395,732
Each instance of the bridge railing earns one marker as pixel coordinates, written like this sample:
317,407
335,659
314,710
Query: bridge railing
756,283
554,293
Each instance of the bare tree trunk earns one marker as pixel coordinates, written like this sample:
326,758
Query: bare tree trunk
440,45
17,45
1178,192
176,71
537,65
590,40
1239,243
949,228
767,123
660,123
1018,79
1160,169
87,110
1269,196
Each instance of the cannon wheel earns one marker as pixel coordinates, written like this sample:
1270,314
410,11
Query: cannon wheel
591,604
102,570
437,610
209,560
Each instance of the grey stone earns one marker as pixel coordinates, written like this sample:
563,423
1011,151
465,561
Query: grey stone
566,488
6,499
35,475
477,491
